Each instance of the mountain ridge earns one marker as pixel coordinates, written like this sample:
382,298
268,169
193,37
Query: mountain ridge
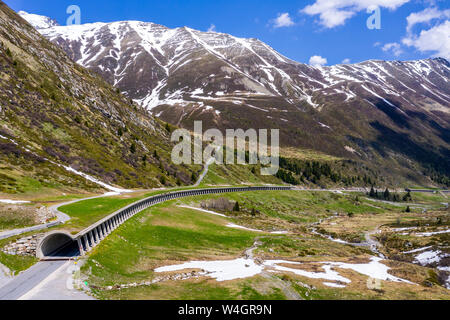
357,111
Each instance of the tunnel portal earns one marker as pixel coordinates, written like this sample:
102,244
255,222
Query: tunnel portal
57,245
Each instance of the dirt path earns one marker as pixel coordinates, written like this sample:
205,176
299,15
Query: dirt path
372,243
286,288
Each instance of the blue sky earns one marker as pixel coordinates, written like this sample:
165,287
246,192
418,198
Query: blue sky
334,30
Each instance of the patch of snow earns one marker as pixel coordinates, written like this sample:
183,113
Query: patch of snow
324,125
374,269
197,91
243,268
235,226
328,273
418,250
404,229
430,257
429,234
220,270
96,181
350,149
203,210
13,201
334,285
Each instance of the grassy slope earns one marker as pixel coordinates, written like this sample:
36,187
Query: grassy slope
165,233
14,220
86,213
17,263
236,175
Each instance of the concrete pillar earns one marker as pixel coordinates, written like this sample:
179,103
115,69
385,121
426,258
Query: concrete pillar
86,242
80,247
97,238
99,232
91,238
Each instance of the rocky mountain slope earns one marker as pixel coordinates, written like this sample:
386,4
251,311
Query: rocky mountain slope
57,119
389,114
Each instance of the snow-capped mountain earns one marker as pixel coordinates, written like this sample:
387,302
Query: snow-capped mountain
37,21
346,110
147,61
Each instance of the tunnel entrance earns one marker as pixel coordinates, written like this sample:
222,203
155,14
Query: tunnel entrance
58,245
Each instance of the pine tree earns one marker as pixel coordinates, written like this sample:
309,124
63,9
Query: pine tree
407,197
372,192
387,194
133,148
408,209
236,207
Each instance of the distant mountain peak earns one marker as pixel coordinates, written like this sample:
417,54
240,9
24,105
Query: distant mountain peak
38,21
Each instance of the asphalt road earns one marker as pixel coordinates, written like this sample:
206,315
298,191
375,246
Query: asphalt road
29,279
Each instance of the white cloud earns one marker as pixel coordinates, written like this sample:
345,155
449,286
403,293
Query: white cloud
283,20
436,40
317,61
425,16
393,47
346,61
335,13
212,28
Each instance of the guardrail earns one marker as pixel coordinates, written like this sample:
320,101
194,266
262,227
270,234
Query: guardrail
93,235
